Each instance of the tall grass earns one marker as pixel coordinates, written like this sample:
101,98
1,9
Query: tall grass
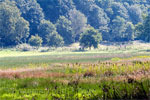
121,79
42,89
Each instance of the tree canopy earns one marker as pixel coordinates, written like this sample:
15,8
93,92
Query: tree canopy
14,29
116,20
90,37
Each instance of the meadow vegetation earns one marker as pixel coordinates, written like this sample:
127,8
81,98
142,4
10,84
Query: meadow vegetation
89,75
74,49
114,79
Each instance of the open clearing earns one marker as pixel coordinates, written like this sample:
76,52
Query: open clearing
111,72
11,58
118,78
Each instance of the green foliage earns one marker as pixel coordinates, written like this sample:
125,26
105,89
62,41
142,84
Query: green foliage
35,41
135,14
32,12
103,90
65,30
129,32
91,37
146,32
82,81
101,14
46,28
78,23
54,40
139,29
115,19
142,30
97,17
118,29
24,47
53,9
14,29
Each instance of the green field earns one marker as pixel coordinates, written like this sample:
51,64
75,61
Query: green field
10,58
106,73
27,58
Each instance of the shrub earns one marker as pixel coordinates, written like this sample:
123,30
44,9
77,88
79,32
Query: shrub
55,40
44,49
90,38
35,41
24,47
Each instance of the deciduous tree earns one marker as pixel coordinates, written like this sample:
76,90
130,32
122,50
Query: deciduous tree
91,37
14,29
64,28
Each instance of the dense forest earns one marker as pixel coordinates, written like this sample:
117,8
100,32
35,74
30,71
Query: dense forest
63,22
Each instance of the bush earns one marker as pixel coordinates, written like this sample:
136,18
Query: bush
35,41
24,47
90,38
54,40
43,49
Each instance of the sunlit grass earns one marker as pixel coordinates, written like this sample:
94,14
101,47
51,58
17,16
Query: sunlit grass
106,73
118,78
135,47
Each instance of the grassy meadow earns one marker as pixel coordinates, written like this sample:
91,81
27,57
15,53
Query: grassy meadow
110,72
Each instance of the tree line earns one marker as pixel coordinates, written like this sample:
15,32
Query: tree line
63,22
